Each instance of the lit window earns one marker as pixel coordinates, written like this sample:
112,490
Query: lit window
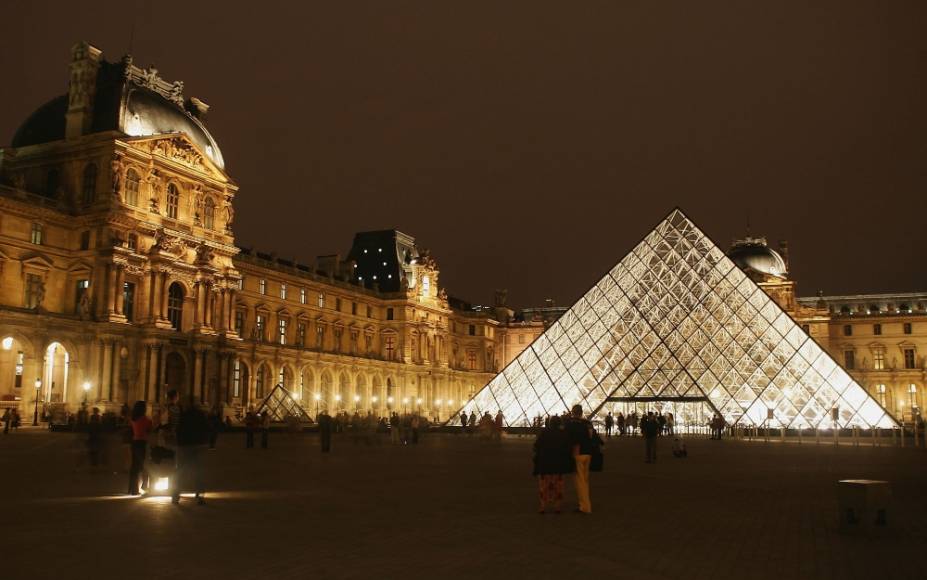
880,391
319,335
283,290
259,327
426,285
321,301
390,346
281,330
132,183
239,321
173,200
302,295
236,379
262,286
33,289
912,396
877,329
38,234
878,359
132,242
82,287
90,184
301,334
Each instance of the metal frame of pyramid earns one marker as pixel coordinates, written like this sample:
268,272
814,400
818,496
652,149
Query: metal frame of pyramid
676,318
282,404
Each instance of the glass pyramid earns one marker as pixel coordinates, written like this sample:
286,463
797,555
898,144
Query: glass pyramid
281,404
677,320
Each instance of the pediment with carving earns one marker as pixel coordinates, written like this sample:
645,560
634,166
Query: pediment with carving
179,149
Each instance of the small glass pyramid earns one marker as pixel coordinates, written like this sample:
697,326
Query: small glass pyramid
281,404
676,320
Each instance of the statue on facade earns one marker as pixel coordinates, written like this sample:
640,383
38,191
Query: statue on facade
116,167
39,295
204,254
154,188
229,214
84,307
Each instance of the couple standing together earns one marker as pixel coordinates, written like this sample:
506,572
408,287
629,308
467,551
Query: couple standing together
565,446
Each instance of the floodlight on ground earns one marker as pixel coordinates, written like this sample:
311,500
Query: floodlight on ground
162,484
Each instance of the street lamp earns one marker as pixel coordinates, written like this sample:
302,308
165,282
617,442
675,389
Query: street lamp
389,403
318,398
356,401
338,400
35,413
86,390
405,402
438,403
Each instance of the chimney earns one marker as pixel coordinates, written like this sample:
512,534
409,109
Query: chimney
85,62
784,252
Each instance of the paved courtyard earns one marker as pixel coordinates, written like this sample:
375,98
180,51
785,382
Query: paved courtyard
453,507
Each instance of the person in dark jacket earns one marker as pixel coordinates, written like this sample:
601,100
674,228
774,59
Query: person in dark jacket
192,438
325,431
582,445
552,459
650,428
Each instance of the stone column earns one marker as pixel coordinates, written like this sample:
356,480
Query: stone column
117,367
210,305
106,367
156,296
233,295
119,289
198,373
163,293
223,306
111,289
200,304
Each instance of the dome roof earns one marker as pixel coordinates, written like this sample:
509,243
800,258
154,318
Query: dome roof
122,104
753,254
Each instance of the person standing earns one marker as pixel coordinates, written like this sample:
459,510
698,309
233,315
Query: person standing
609,423
552,459
621,424
670,424
7,420
632,422
325,431
192,438
463,421
141,428
265,428
579,432
94,437
251,424
650,428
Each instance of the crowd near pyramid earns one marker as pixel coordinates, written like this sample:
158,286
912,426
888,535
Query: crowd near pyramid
676,320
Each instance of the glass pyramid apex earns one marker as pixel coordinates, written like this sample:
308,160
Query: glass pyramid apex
676,320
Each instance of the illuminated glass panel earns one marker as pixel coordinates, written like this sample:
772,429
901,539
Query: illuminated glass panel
676,321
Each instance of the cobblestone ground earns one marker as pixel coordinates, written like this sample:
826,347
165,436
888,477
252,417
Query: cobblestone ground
457,508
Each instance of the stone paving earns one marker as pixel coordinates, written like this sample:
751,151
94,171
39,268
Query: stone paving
454,507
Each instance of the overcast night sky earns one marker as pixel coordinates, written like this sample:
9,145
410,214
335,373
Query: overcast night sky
529,145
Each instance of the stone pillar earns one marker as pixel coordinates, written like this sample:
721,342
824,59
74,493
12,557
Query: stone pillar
110,289
156,291
222,325
233,295
117,367
210,305
200,304
119,289
163,294
106,368
198,373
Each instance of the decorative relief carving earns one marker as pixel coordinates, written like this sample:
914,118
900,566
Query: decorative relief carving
154,189
117,167
150,79
179,150
167,244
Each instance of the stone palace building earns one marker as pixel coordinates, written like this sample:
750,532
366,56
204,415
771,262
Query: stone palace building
120,279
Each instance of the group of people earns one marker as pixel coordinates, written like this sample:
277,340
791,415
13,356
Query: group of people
11,420
628,425
566,445
489,427
178,438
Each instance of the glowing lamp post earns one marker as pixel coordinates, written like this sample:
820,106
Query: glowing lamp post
86,387
35,413
405,403
438,404
338,400
389,403
318,398
418,402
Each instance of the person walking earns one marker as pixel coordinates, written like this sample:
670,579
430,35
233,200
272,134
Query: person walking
7,420
265,428
192,438
251,424
579,432
552,459
670,424
632,422
609,423
325,431
94,437
621,424
141,428
463,421
650,428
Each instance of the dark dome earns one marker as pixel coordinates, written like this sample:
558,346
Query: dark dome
46,124
754,254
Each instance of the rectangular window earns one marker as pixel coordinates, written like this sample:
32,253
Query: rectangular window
300,334
33,290
18,379
259,327
37,234
281,330
390,347
368,342
283,290
877,329
319,335
241,283
849,359
847,330
880,392
128,301
369,312
338,304
909,359
471,360
878,360
85,240
236,379
302,295
907,327
321,301
82,287
354,308
472,330
262,286
389,313
239,321
354,342
912,396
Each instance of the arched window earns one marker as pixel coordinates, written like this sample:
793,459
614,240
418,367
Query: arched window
90,184
209,213
173,200
132,182
259,379
175,305
52,180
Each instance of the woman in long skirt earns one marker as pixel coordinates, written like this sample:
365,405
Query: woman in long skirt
552,460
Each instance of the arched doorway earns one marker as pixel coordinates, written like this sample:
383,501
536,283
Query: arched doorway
344,393
175,374
361,398
55,373
306,386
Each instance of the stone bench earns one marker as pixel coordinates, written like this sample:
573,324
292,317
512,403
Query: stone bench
863,503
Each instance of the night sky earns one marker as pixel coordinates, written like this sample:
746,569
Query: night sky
529,145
